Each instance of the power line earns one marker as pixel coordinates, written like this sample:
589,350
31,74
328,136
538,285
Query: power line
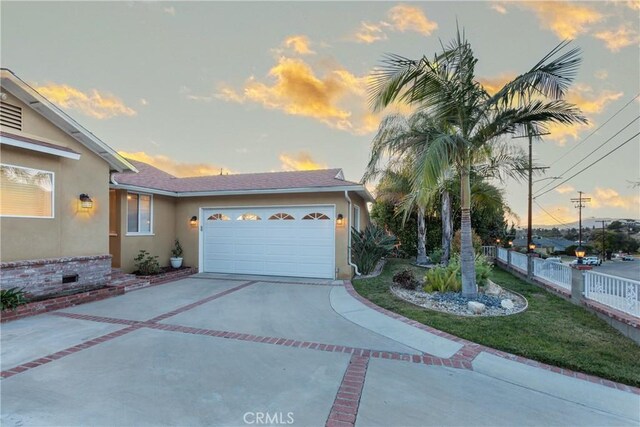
587,167
595,130
549,213
593,151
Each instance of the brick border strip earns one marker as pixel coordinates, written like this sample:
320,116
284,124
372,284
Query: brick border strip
470,349
266,280
347,402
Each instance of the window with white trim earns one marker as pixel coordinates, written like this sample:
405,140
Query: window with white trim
26,192
139,213
356,217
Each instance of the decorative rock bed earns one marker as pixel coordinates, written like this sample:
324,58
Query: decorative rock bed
495,301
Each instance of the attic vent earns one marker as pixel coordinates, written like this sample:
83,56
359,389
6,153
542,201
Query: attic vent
10,116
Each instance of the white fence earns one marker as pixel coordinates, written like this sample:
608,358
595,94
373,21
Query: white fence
489,251
553,272
617,292
503,254
519,261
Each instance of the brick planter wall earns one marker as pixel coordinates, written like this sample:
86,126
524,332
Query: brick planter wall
39,307
44,276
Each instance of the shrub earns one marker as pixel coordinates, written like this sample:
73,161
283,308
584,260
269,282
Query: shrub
443,279
449,278
368,246
436,255
405,279
477,242
147,264
11,298
177,249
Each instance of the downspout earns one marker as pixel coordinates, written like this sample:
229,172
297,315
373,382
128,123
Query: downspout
346,196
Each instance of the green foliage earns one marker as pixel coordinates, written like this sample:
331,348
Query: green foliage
477,242
368,246
11,298
405,279
443,279
448,279
436,255
146,263
177,249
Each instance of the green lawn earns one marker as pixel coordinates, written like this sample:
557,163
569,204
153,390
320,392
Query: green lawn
551,330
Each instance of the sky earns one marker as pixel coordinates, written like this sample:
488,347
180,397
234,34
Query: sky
199,87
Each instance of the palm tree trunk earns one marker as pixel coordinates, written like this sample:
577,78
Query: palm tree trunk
422,238
467,256
447,228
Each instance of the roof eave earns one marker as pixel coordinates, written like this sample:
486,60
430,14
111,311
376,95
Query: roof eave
62,120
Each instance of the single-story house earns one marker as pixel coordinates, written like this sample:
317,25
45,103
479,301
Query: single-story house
71,208
546,245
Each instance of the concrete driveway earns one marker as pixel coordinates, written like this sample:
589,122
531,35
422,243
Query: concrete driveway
234,351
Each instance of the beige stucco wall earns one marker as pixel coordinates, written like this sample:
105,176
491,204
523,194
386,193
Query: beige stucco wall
159,243
188,235
72,231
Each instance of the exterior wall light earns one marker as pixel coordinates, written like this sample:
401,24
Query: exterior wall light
510,243
580,253
340,220
498,241
532,247
193,221
85,201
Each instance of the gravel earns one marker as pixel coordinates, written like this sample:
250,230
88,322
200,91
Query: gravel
455,303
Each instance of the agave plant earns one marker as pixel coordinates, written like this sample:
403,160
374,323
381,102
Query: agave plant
368,246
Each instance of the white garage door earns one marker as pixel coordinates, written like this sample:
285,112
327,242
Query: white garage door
296,241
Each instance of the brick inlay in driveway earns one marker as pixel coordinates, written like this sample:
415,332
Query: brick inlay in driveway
345,407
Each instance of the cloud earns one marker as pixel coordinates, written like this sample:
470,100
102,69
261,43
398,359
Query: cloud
494,84
601,74
96,104
300,44
557,214
173,167
144,102
618,39
369,33
499,7
301,161
169,10
337,98
407,18
564,189
610,198
566,19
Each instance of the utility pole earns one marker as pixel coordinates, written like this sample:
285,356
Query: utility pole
530,134
603,241
579,203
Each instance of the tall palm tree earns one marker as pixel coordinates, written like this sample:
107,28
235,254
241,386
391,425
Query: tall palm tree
467,121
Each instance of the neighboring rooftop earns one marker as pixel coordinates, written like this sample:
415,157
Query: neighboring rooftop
152,178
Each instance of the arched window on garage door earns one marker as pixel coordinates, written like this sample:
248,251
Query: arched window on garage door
281,215
218,217
315,215
248,217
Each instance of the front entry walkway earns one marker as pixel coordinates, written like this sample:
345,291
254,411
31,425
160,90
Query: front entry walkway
233,351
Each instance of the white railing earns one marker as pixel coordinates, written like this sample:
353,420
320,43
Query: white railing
489,251
519,261
503,254
617,292
554,272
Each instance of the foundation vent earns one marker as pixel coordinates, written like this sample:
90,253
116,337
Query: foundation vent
10,116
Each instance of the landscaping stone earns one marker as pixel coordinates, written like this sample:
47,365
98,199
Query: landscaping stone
492,289
507,303
476,307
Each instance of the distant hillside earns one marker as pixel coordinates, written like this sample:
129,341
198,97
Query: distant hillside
587,223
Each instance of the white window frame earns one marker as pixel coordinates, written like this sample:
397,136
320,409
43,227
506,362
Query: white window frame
356,217
53,192
140,233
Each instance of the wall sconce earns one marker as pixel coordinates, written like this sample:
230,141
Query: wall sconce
340,220
498,241
532,247
510,243
193,221
85,201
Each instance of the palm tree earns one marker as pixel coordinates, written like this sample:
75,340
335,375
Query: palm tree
466,121
395,186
